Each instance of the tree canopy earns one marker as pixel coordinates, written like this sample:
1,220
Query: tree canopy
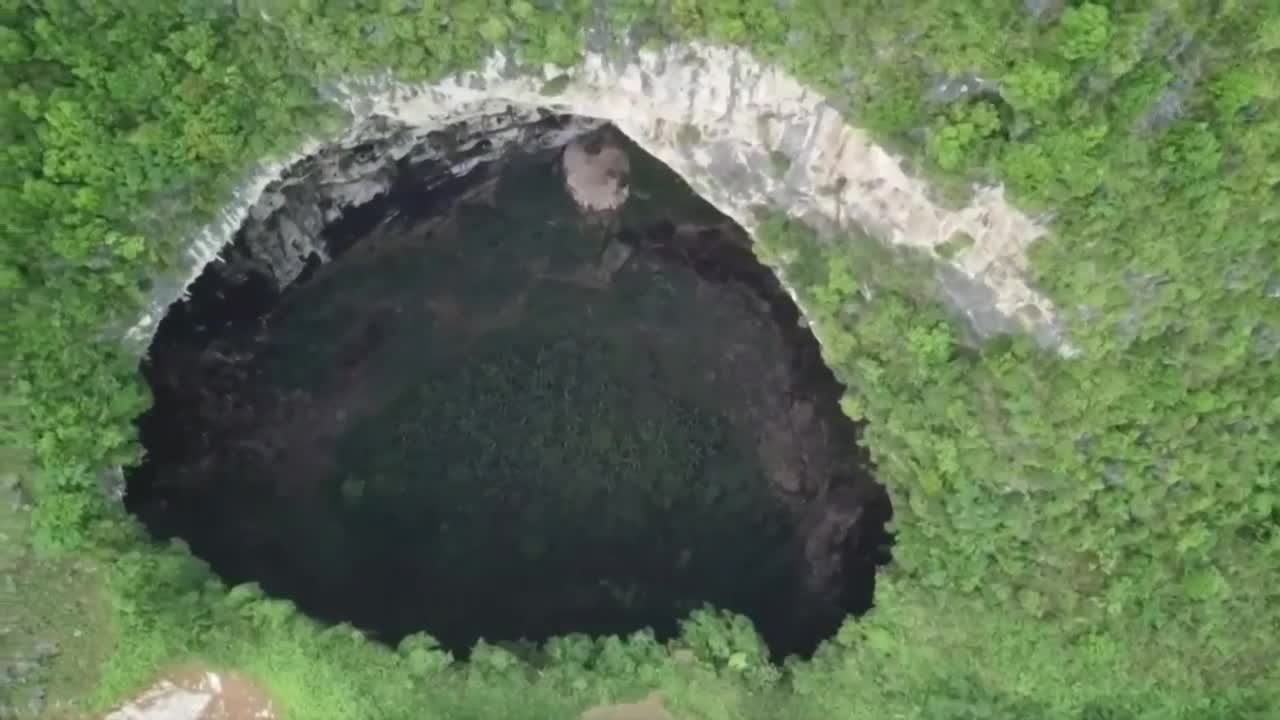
1079,537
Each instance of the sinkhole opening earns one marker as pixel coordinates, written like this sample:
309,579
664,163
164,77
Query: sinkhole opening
486,385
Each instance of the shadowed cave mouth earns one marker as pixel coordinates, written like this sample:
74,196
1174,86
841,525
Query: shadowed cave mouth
472,406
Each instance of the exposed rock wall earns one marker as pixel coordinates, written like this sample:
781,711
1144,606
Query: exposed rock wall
286,225
743,134
284,209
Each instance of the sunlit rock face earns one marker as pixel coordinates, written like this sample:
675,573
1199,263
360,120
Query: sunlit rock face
745,136
596,174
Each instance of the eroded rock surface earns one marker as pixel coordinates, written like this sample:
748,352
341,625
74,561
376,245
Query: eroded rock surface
596,171
165,701
723,121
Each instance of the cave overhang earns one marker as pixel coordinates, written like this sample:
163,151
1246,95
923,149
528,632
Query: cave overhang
745,135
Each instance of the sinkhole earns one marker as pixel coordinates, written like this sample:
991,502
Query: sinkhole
482,383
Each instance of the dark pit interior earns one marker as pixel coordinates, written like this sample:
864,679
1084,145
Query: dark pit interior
491,415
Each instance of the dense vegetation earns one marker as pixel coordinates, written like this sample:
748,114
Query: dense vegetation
1086,537
575,455
610,476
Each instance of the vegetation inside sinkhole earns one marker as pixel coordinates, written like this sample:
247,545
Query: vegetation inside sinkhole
1092,537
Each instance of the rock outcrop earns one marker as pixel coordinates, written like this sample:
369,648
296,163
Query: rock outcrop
288,212
596,173
743,134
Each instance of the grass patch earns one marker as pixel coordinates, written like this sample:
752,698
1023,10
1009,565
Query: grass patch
55,627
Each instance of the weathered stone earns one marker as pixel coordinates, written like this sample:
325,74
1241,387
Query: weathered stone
614,257
655,97
596,172
958,88
165,701
36,702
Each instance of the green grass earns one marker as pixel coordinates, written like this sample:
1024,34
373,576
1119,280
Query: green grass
55,624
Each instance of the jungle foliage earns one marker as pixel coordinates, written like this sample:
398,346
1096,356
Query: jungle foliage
1092,536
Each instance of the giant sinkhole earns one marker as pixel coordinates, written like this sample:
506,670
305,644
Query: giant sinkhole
506,380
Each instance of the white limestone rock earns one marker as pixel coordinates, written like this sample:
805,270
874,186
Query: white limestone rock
723,121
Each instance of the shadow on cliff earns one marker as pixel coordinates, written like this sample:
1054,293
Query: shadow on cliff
487,417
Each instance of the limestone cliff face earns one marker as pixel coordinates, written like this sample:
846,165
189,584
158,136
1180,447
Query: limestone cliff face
743,134
284,209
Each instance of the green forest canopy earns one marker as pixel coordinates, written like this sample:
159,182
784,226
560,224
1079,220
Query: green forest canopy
1088,538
